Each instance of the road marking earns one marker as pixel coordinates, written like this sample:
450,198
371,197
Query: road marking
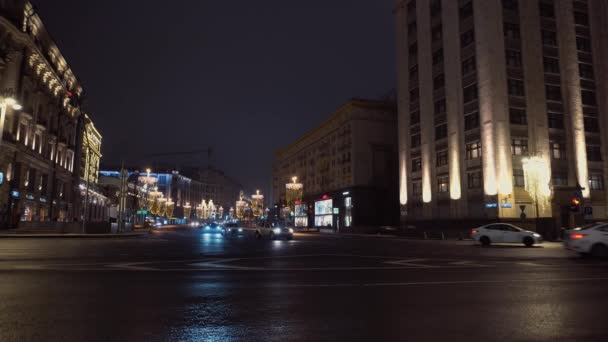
468,263
221,265
411,263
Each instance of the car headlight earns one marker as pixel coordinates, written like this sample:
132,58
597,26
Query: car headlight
207,227
291,230
277,230
536,235
240,229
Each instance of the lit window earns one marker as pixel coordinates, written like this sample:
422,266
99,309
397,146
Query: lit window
519,147
473,150
596,182
518,178
443,184
557,150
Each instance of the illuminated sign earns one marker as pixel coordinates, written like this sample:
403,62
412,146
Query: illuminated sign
336,211
1,177
491,205
506,205
15,194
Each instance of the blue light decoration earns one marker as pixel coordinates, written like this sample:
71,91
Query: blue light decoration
1,177
491,205
506,205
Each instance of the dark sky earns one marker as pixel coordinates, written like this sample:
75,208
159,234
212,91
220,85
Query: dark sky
245,77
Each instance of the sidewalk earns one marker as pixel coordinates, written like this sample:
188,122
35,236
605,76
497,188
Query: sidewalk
14,235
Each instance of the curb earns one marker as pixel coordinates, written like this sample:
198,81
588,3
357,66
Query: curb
71,236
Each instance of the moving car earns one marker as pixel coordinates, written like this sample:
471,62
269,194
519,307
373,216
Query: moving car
591,239
273,231
213,227
232,229
505,233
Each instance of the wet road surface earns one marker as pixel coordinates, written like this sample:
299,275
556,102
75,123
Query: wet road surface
183,285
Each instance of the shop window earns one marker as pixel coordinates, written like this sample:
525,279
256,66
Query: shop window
473,150
518,178
519,147
596,182
348,209
474,180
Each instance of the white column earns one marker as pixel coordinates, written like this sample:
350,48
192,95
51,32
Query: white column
402,97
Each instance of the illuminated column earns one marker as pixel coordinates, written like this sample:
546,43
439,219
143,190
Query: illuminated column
493,101
453,95
572,91
402,98
425,73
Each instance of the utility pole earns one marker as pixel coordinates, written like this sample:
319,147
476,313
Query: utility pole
121,199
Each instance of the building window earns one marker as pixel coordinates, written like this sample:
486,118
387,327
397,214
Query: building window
466,11
555,120
474,180
594,153
415,139
441,131
414,95
442,158
469,66
473,150
471,121
511,31
596,182
435,8
551,65
519,147
440,106
470,93
443,184
467,38
588,98
558,150
518,178
516,87
438,82
510,5
581,18
416,165
547,10
591,124
586,71
559,179
415,117
513,58
549,38
438,57
583,44
517,116
437,33
554,93
417,189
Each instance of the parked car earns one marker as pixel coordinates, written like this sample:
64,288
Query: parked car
232,229
591,239
273,231
505,233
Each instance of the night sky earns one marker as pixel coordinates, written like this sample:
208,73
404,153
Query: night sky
244,77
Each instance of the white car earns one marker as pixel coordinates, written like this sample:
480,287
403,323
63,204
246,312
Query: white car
273,231
505,233
591,239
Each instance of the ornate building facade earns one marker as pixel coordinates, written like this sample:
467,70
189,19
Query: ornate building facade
38,150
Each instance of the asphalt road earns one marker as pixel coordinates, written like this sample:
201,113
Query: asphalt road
183,285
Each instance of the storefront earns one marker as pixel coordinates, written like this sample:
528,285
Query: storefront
324,213
301,215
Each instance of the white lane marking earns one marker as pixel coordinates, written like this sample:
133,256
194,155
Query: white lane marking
449,282
468,263
411,263
221,264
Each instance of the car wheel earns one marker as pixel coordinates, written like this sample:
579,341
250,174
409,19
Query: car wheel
258,235
485,240
528,241
271,236
599,250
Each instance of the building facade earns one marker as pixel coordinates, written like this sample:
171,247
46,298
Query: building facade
93,203
38,148
485,84
347,168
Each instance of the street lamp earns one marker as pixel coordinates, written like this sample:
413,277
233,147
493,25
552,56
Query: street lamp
4,104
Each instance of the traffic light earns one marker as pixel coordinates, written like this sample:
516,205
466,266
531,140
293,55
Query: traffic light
575,204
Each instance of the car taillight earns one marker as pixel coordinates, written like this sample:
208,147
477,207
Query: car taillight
474,231
577,236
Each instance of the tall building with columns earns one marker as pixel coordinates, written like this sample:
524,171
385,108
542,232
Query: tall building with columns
484,84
